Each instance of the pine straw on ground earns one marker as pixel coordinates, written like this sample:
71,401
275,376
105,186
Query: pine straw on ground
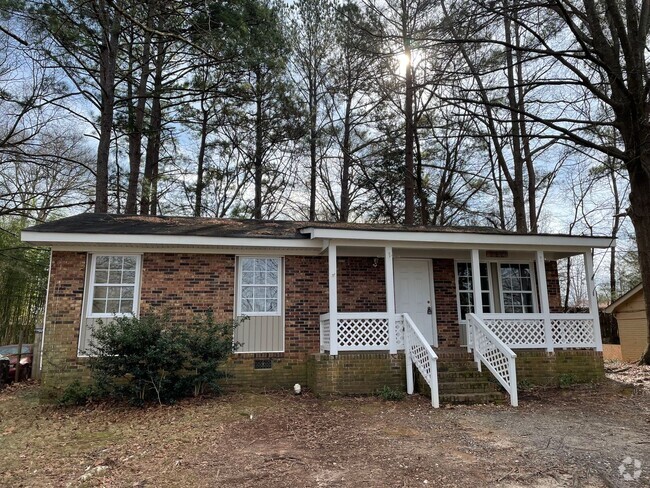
575,436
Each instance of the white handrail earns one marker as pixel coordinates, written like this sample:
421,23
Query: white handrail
498,357
419,352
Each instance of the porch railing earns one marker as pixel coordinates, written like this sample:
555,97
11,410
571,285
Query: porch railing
419,353
491,351
536,331
361,331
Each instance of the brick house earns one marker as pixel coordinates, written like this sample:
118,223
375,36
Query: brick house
342,308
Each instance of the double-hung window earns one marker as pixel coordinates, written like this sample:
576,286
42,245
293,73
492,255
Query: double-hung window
517,293
259,286
465,287
114,285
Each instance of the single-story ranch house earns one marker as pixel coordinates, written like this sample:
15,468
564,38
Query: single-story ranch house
339,307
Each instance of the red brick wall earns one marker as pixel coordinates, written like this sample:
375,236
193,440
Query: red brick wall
361,285
61,335
306,298
444,278
553,286
187,284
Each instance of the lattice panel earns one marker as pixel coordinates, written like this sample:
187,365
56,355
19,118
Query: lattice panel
399,333
518,332
419,354
363,333
324,335
573,332
492,354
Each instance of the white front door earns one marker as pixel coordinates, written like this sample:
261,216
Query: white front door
414,294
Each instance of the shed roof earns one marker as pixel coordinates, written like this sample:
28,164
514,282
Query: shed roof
624,298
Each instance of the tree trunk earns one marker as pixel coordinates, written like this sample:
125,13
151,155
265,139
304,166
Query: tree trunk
258,158
344,213
107,67
137,128
149,185
313,112
639,213
409,186
517,189
615,227
200,185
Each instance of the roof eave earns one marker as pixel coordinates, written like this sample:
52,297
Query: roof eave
461,238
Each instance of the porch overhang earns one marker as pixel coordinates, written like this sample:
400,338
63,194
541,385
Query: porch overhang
559,245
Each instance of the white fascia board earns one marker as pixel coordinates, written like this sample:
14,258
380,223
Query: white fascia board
63,238
460,238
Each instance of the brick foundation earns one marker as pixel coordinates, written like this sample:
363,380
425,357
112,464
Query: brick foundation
356,373
535,367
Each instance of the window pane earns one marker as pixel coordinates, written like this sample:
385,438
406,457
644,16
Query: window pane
127,292
271,305
247,292
272,277
114,276
247,264
272,265
112,306
128,277
485,284
101,276
129,262
113,292
272,292
248,278
126,306
101,262
246,305
99,292
99,306
116,262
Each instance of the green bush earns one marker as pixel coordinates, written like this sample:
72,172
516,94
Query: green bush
390,394
151,357
567,380
77,394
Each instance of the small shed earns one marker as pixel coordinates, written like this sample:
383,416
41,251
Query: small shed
630,313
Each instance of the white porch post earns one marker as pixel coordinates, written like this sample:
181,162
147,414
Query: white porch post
390,299
593,299
544,306
477,298
333,305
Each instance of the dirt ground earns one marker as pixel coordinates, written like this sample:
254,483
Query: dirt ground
576,436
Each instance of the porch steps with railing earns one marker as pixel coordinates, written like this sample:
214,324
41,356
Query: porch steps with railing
460,382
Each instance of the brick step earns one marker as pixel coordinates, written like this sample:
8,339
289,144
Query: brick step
457,366
467,387
462,375
473,398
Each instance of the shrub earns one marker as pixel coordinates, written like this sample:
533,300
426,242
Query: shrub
567,380
390,394
154,358
77,394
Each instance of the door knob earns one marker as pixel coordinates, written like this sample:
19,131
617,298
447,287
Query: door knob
429,311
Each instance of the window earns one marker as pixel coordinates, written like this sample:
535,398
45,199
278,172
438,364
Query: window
259,286
516,288
466,288
113,285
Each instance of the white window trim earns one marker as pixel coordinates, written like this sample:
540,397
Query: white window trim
457,283
278,312
136,289
533,280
